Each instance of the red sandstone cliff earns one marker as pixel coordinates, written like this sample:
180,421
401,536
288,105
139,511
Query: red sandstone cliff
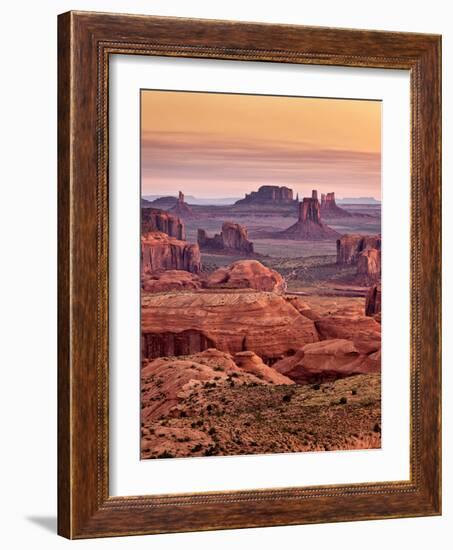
189,322
160,251
233,237
154,219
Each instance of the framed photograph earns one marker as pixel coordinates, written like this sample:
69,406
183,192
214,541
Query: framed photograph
249,275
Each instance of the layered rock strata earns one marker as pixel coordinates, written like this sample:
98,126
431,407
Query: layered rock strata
189,322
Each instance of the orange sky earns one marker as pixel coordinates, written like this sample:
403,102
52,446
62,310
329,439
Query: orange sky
220,145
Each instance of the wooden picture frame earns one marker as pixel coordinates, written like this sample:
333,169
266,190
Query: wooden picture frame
85,42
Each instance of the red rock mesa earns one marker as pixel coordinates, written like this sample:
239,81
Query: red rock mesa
268,194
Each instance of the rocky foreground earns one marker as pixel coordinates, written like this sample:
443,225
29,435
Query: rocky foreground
206,405
247,371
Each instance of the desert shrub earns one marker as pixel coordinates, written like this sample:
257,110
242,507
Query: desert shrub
196,448
343,401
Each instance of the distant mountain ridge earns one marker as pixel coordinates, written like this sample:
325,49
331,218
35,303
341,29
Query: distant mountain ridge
190,199
358,200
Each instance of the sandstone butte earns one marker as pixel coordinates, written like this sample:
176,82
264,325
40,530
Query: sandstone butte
188,322
154,219
329,208
232,238
177,376
160,251
309,226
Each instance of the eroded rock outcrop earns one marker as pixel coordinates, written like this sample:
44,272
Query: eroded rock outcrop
268,194
247,274
350,246
154,219
309,226
233,238
171,280
369,265
364,331
159,251
262,322
327,360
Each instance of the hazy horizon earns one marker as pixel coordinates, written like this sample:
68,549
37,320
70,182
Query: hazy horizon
213,145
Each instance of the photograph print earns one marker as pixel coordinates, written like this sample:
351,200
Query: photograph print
260,274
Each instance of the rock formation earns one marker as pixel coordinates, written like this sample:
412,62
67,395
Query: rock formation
247,274
189,322
159,251
171,280
181,208
327,360
154,219
364,331
373,301
309,225
329,208
233,238
268,194
369,265
349,247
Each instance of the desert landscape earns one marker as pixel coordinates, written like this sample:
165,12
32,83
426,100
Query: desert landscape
260,274
261,324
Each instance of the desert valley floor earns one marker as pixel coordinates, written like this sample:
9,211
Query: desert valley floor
260,326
